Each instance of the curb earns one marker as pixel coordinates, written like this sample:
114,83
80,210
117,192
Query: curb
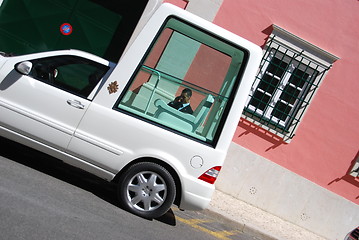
257,222
244,227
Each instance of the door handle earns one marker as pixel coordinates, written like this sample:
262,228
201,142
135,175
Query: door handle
76,104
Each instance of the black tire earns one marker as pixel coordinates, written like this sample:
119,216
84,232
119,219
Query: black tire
147,190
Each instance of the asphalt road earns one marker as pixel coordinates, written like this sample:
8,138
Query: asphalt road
43,198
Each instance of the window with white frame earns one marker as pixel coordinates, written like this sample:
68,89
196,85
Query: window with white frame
355,169
290,73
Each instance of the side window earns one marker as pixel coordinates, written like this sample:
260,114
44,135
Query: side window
70,73
186,82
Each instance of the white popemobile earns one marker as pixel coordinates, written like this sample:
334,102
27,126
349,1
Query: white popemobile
114,121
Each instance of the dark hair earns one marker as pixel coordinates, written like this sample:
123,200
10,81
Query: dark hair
188,91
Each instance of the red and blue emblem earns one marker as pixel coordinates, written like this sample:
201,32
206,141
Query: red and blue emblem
66,29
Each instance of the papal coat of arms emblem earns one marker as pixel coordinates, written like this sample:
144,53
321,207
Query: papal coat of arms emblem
112,87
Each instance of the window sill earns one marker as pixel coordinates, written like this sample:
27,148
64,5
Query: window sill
278,133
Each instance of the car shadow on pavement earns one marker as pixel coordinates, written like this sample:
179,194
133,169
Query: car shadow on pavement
56,168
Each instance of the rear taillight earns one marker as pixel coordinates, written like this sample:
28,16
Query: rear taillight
211,175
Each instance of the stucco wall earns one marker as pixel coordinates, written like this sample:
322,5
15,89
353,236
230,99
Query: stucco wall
270,187
326,141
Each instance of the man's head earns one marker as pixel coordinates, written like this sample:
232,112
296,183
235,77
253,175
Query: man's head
186,95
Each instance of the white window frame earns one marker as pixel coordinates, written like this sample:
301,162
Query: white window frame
355,169
301,53
283,83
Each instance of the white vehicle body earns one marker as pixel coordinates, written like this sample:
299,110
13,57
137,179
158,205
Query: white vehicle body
92,133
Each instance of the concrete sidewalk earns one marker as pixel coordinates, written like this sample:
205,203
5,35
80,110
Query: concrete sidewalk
257,221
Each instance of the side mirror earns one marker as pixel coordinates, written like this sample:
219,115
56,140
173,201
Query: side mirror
24,67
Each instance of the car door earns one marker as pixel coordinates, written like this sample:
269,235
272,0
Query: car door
47,103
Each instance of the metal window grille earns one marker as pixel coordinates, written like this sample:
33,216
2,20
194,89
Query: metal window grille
283,88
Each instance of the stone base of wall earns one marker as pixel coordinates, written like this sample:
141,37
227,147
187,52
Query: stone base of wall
272,188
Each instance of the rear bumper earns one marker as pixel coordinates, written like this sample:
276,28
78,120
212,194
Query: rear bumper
196,194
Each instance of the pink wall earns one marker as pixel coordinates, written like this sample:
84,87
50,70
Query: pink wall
178,3
327,139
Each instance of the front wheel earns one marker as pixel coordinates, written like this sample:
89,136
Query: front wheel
147,190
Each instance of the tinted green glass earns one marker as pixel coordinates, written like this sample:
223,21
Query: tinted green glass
99,27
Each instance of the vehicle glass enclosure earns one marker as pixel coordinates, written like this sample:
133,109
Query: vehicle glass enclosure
184,56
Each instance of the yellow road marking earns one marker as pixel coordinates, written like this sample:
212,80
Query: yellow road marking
193,221
218,234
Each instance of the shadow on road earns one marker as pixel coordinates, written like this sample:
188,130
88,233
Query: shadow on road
64,172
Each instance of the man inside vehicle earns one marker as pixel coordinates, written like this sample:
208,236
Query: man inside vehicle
182,102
